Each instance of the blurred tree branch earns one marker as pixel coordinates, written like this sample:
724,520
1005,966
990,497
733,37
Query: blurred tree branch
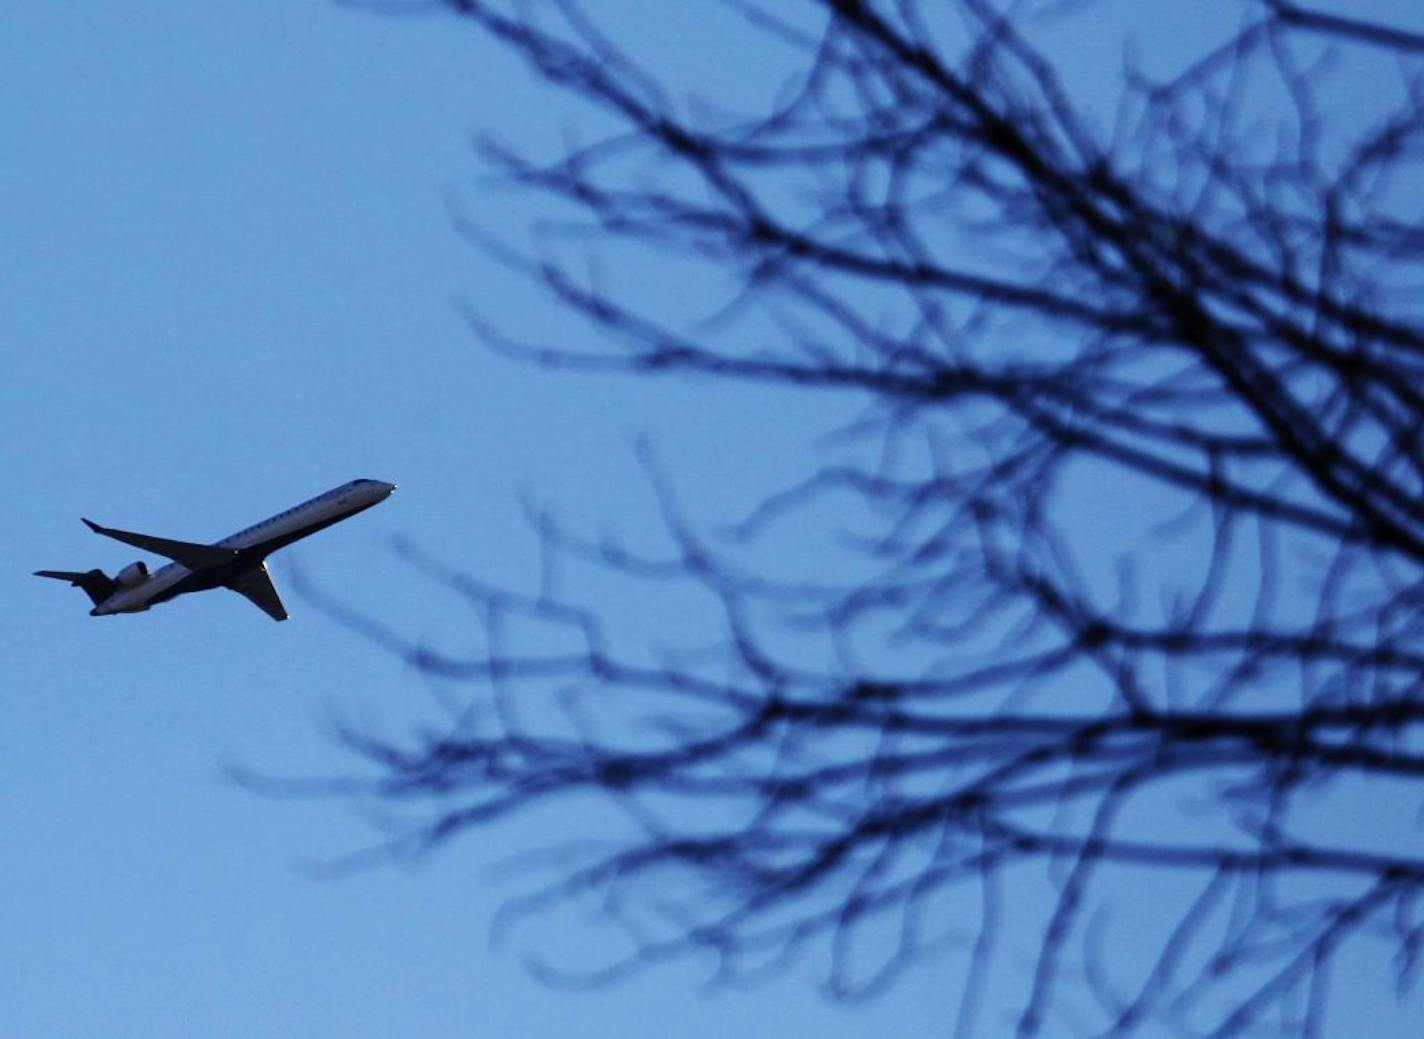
1208,312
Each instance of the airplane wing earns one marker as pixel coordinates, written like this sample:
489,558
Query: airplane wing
193,556
256,585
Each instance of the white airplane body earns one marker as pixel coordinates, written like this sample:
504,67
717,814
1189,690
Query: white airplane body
237,562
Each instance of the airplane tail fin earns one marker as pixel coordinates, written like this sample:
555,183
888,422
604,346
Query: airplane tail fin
95,583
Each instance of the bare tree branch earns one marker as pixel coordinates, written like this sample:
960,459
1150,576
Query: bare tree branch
1208,313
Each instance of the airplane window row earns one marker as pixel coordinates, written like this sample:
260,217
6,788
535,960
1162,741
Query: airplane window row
283,515
295,508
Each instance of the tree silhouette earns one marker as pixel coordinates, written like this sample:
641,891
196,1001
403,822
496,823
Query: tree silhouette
1201,715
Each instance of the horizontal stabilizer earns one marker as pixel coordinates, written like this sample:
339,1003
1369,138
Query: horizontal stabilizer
185,553
94,582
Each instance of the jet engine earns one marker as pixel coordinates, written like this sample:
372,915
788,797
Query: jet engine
133,574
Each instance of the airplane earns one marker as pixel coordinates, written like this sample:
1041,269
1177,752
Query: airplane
237,562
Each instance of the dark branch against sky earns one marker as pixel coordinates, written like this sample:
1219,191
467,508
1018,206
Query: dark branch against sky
1195,323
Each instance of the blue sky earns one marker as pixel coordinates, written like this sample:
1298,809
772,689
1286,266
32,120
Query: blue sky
227,284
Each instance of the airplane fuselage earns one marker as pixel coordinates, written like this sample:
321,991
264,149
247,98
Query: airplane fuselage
236,561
